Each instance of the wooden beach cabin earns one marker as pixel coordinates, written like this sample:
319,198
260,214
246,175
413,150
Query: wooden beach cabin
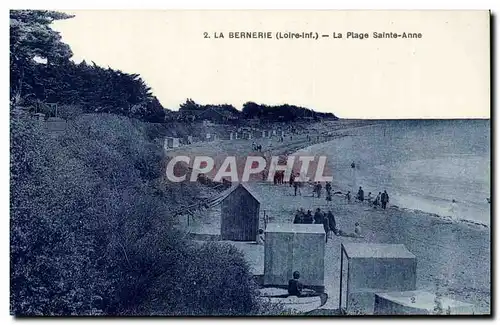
369,268
171,142
294,247
240,210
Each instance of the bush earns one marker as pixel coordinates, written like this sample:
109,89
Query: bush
69,112
212,279
92,232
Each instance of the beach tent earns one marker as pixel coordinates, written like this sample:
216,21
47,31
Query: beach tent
369,268
294,247
419,303
240,210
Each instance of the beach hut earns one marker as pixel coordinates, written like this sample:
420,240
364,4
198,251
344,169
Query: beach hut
294,247
171,142
246,135
419,302
240,210
368,268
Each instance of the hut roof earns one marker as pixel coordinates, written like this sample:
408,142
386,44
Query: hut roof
245,186
372,250
296,228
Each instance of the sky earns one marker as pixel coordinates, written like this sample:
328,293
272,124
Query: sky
444,74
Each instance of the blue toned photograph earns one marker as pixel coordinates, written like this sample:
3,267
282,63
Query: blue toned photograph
250,163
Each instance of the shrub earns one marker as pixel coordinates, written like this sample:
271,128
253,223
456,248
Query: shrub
91,232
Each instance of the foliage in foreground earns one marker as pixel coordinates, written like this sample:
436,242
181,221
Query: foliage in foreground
91,232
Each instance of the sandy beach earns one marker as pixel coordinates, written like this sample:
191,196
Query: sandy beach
453,256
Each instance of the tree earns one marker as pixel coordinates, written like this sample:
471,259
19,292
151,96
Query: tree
31,37
59,80
190,105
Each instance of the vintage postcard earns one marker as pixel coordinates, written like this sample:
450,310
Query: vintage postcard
250,163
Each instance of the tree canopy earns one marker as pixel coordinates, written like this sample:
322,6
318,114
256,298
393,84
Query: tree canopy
41,69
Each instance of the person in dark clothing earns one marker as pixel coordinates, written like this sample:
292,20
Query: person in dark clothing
292,179
331,222
328,188
318,189
326,226
353,165
384,199
361,194
296,187
318,216
294,285
308,218
376,202
296,288
299,217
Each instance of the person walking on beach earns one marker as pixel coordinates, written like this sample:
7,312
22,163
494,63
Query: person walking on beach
361,195
326,226
318,191
332,224
296,187
453,209
384,199
328,188
292,179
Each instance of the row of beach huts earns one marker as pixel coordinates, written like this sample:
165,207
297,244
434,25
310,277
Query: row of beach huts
242,133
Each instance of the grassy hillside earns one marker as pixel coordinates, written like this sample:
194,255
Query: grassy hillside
91,231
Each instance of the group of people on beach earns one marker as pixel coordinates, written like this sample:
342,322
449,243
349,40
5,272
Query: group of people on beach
381,199
317,187
279,177
256,147
327,220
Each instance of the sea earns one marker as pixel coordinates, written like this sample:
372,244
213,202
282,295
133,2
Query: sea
423,164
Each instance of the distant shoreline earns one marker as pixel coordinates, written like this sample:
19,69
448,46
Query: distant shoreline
402,208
